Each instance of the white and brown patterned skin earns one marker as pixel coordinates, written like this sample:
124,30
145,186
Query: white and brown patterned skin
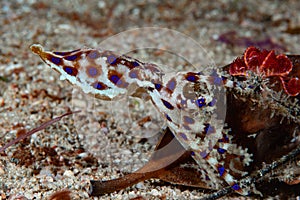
185,99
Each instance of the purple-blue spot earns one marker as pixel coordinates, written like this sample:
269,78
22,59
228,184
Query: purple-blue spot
221,151
192,153
188,120
71,58
61,53
224,139
183,136
158,86
221,170
217,80
236,187
115,79
213,102
203,154
191,78
55,60
208,129
200,102
135,64
186,127
111,59
99,86
207,178
168,117
69,70
183,102
94,54
214,73
133,74
171,84
92,71
167,104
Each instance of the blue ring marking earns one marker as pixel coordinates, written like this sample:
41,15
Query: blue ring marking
236,187
200,102
92,71
207,178
192,153
183,102
168,117
133,74
94,55
171,85
209,129
111,59
214,73
99,86
221,170
71,58
188,120
224,139
221,151
158,86
191,78
183,136
114,79
203,154
55,60
167,104
119,82
218,80
69,70
61,53
186,127
135,64
213,102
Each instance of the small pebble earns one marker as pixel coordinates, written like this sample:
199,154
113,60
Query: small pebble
83,155
69,173
155,192
140,185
